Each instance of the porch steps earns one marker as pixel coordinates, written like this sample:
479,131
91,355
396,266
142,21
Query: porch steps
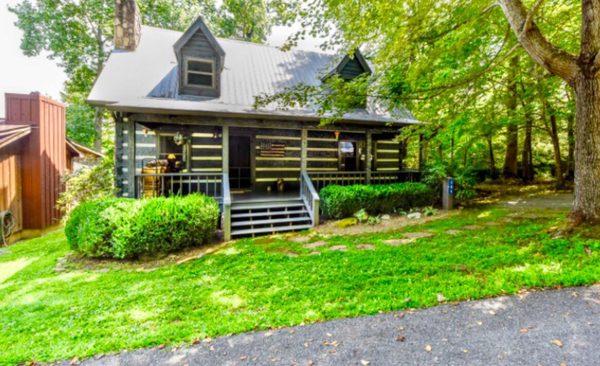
249,218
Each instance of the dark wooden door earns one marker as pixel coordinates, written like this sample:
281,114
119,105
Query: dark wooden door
239,162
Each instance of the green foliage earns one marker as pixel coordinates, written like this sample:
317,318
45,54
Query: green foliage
361,215
464,179
87,184
127,228
429,211
162,225
343,201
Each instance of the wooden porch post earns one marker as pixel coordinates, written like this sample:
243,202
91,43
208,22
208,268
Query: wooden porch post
225,147
368,156
226,214
303,153
131,166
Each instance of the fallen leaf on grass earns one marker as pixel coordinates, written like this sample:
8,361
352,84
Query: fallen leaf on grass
557,342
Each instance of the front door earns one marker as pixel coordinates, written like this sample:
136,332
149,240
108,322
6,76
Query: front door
240,175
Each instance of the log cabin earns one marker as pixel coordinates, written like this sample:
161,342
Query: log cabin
186,121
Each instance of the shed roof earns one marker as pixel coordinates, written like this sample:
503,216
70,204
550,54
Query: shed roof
147,80
10,133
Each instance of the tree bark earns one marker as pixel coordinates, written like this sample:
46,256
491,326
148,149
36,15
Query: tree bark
512,129
492,159
527,154
570,171
558,168
587,149
98,129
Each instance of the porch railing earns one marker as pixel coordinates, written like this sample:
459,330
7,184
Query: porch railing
169,184
309,195
323,179
226,210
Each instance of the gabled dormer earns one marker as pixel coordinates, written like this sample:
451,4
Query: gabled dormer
350,67
200,59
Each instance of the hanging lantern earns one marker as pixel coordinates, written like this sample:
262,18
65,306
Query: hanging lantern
179,139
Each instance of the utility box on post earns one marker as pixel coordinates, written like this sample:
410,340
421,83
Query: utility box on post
448,193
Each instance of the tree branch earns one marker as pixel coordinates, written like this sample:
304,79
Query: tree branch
553,59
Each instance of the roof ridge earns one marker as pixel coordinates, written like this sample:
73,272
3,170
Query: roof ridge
246,42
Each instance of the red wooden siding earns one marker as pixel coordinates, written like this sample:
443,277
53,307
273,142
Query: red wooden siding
10,185
44,156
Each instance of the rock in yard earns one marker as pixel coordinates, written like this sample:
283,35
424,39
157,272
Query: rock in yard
417,235
344,223
398,242
414,215
385,217
338,248
316,244
365,247
300,239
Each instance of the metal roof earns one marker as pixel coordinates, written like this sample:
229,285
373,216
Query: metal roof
146,80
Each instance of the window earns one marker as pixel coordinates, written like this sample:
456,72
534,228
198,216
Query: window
199,72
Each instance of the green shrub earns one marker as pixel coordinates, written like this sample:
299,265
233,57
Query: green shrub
343,201
162,225
127,228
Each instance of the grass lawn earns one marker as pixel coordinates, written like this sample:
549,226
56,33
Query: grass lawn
274,282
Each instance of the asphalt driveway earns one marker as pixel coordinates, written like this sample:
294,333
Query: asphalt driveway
552,327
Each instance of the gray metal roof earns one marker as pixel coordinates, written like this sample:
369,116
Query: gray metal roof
146,80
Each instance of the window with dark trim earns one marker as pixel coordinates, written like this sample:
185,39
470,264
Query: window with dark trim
199,72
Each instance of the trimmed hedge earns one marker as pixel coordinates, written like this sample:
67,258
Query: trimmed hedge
127,228
343,201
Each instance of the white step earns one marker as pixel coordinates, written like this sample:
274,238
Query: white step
269,221
270,229
265,213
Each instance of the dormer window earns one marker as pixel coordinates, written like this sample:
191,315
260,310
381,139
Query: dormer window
199,73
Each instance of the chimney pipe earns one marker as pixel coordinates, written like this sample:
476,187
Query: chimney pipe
127,25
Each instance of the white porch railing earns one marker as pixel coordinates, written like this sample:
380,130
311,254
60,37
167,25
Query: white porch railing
309,195
226,211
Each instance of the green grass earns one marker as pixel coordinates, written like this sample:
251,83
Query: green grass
255,284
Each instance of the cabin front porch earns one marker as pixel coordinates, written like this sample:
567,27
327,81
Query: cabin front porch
266,179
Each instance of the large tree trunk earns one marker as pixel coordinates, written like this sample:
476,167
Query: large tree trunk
512,129
587,149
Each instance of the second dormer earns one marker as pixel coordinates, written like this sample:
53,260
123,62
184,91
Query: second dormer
200,61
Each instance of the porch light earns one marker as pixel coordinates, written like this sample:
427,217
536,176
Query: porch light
145,131
337,135
179,139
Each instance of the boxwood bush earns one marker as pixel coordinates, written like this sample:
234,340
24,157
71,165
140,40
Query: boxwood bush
343,201
127,228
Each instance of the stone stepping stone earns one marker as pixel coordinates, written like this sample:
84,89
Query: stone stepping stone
398,242
417,235
453,232
316,244
301,239
291,254
472,227
338,248
492,224
314,253
365,247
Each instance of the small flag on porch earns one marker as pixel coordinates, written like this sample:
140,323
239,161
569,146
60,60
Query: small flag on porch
269,149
